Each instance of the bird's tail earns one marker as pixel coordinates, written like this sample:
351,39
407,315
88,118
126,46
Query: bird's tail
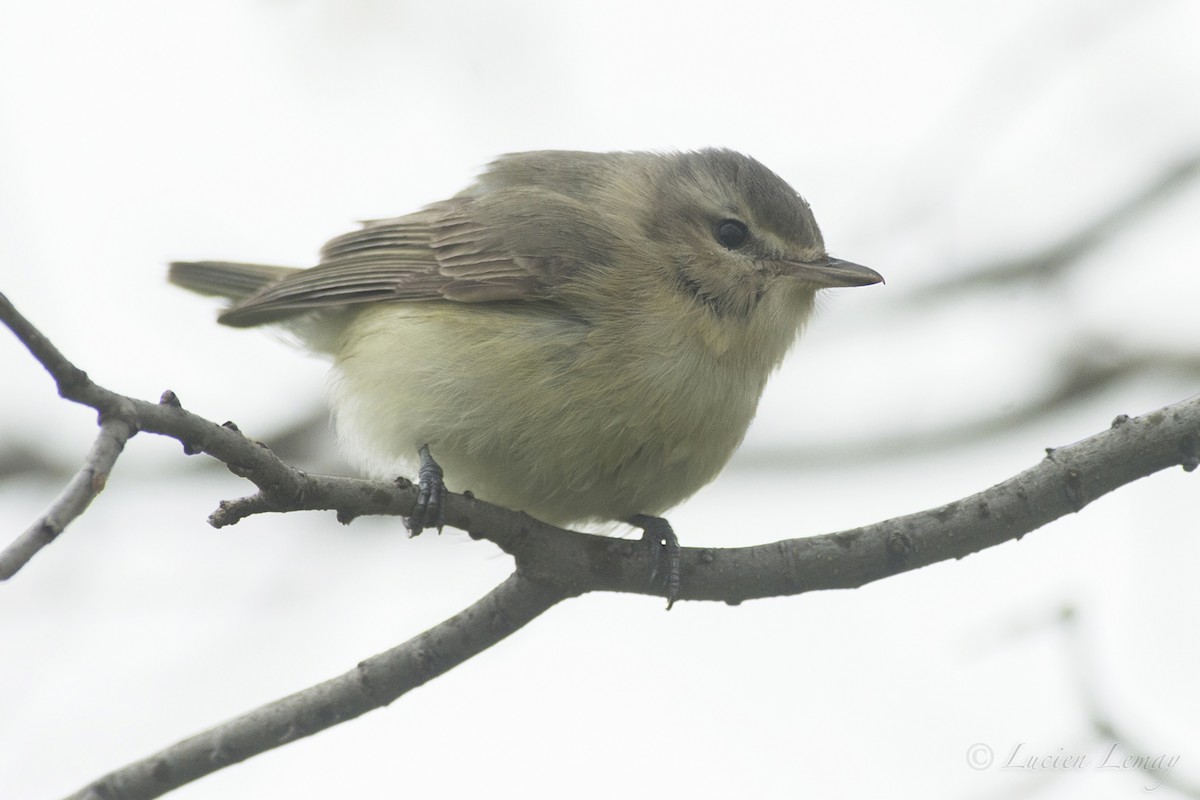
225,278
319,332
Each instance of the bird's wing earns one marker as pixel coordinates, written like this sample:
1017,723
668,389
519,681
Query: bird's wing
514,244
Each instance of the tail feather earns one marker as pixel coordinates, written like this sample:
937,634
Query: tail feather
225,278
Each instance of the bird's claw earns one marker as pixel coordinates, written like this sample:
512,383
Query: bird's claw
429,510
658,535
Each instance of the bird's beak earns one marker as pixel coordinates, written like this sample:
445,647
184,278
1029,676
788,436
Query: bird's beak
827,273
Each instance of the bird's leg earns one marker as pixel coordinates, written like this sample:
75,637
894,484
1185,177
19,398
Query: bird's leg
664,553
429,511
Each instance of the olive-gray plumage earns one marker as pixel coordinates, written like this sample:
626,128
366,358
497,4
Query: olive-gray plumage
577,335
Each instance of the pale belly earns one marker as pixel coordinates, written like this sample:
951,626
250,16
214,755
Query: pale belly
560,419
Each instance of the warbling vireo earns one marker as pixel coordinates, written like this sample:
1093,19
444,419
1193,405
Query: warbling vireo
581,336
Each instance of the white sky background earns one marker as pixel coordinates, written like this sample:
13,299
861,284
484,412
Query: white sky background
930,137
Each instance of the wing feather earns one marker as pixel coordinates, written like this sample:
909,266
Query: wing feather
472,248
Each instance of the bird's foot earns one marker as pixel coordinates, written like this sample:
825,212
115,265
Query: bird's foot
664,554
429,511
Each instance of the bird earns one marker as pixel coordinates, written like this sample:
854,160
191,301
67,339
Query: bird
581,336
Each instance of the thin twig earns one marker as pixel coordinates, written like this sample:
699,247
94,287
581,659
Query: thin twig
554,564
73,500
1157,765
1081,374
1064,482
1052,262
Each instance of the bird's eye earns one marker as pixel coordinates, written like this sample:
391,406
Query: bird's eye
732,233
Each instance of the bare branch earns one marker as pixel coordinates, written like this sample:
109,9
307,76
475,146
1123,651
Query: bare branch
72,501
1082,373
1050,263
1107,731
554,564
24,459
242,456
372,684
1065,481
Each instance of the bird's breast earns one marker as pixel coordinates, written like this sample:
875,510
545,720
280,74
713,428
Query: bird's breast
565,418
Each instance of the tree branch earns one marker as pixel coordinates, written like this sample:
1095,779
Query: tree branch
554,564
372,684
1050,263
1081,374
72,501
1065,481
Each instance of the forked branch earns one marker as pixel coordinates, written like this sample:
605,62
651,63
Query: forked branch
551,564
